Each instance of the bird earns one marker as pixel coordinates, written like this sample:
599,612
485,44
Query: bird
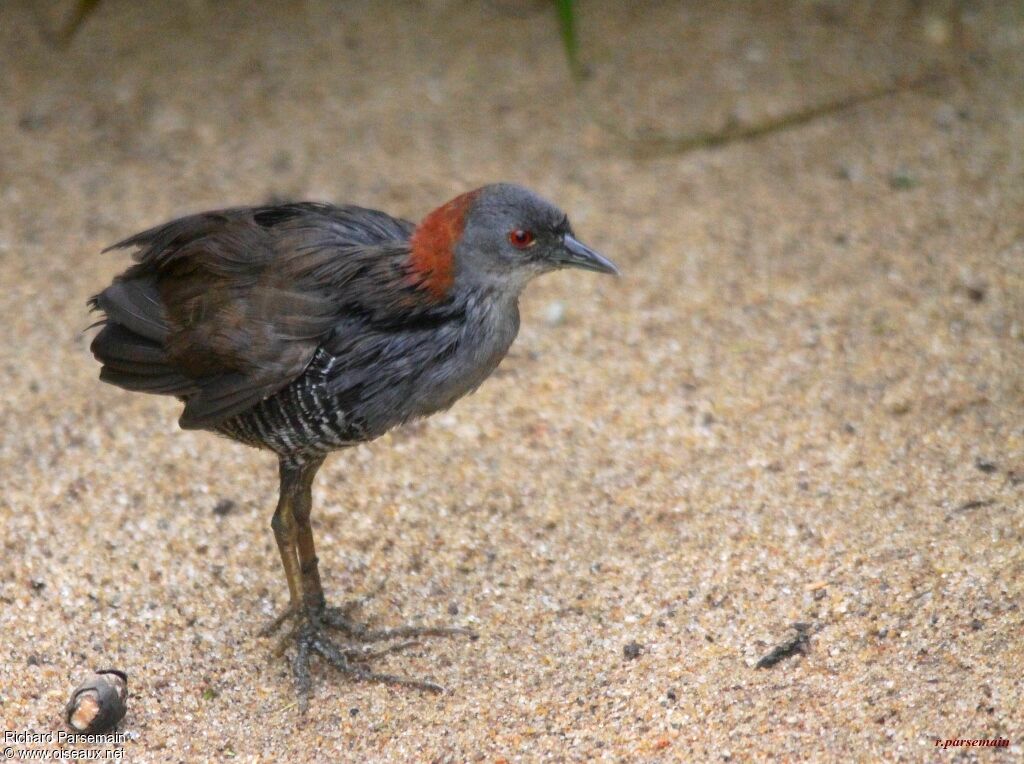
306,328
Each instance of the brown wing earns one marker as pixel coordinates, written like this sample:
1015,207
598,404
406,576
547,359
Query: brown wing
224,309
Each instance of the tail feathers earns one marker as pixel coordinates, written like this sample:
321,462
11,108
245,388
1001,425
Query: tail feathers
135,304
136,363
116,343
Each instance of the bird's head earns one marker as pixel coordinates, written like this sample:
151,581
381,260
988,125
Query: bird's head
498,237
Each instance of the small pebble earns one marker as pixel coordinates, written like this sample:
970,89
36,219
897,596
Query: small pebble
937,30
945,116
986,466
976,291
853,173
554,313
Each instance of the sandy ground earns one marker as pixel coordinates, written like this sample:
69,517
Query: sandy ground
804,401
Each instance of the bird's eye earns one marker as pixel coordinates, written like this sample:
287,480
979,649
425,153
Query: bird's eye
521,239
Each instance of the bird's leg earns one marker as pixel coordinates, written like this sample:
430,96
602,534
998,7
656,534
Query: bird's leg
285,534
302,507
294,534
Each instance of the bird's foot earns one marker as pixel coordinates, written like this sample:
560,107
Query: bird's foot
353,656
292,611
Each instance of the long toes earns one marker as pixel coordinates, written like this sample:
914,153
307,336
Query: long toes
401,681
355,655
340,660
332,654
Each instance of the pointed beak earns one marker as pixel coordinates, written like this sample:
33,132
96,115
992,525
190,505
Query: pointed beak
577,255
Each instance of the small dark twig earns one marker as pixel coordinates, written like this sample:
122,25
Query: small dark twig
650,146
974,504
967,506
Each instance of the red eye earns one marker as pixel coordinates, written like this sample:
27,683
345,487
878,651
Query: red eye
521,239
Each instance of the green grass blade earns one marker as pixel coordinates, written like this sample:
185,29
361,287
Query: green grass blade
567,23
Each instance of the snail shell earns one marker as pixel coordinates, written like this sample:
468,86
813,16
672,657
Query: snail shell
98,703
